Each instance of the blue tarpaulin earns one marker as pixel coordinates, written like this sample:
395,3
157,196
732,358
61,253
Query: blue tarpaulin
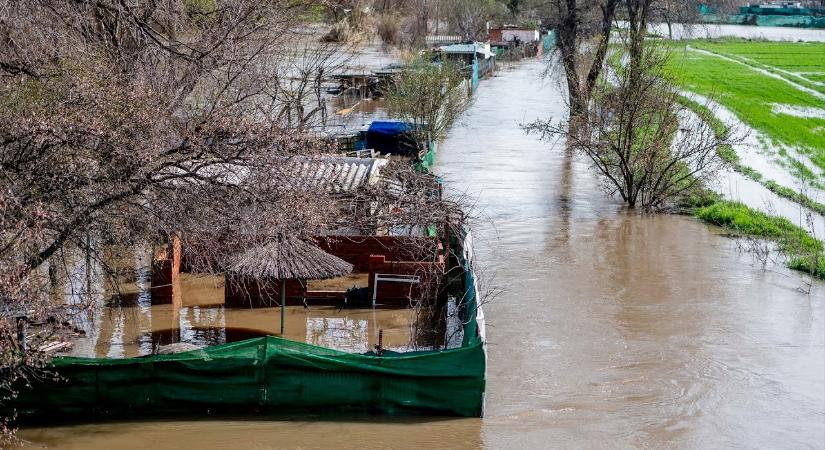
392,138
389,127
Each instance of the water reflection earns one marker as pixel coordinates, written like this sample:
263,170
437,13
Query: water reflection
135,327
299,432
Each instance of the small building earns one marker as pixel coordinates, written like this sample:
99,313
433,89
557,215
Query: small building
513,43
477,55
364,83
468,53
510,33
393,137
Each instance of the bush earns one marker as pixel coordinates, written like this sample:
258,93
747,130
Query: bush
389,29
339,32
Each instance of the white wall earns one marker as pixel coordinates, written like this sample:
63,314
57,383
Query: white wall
523,35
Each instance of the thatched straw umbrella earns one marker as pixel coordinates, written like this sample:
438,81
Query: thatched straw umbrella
288,259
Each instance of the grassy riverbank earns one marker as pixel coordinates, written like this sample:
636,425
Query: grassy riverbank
737,87
762,101
803,252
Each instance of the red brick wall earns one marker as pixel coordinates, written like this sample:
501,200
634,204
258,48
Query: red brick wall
356,250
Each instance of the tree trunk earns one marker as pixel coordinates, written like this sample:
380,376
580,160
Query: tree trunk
569,38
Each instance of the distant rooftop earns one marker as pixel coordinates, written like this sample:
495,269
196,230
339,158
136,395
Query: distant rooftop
477,47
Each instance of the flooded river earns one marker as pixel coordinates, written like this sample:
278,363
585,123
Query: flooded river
612,329
620,330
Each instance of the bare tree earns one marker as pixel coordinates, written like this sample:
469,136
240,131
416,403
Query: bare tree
123,122
670,12
418,15
294,98
468,18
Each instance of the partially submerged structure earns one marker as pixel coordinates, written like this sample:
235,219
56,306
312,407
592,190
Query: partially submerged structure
273,264
774,14
407,263
400,270
367,84
477,57
387,137
510,42
272,376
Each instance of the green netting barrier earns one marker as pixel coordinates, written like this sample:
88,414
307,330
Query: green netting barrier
548,42
428,159
267,375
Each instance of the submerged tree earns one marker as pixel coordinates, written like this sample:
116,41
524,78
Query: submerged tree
123,123
429,96
648,148
582,30
677,12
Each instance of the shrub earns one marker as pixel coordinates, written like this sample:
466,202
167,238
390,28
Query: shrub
389,29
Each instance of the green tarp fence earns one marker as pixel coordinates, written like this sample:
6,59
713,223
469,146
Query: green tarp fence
779,21
548,42
265,375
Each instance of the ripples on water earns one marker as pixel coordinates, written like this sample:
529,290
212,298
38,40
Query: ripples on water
615,327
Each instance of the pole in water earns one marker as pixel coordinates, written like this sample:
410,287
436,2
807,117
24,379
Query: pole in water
379,349
283,302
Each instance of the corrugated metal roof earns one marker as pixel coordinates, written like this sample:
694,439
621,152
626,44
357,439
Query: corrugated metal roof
341,175
442,39
467,49
458,48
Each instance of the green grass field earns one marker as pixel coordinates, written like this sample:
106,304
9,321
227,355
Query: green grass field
727,153
796,63
751,95
790,56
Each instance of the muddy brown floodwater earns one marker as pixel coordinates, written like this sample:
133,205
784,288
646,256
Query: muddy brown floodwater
138,328
612,330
